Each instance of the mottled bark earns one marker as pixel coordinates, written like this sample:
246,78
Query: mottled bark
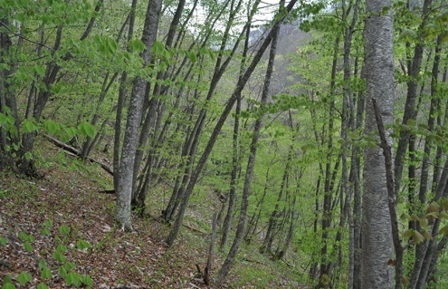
377,245
125,176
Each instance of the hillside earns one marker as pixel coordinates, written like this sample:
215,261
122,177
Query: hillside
61,231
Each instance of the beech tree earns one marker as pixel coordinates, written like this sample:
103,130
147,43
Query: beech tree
377,245
125,174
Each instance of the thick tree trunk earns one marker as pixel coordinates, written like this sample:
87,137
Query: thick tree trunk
377,245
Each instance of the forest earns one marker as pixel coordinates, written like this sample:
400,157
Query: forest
223,144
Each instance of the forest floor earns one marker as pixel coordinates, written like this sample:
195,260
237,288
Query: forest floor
60,231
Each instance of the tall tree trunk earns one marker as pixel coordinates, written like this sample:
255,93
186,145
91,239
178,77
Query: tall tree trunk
233,177
7,100
426,251
377,245
125,176
409,112
328,185
355,232
139,196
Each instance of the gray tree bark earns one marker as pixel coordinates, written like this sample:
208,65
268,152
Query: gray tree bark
377,243
125,177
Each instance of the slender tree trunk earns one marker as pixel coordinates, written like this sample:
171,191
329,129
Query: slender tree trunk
328,185
198,169
355,248
125,176
266,247
425,252
7,100
410,112
239,234
233,177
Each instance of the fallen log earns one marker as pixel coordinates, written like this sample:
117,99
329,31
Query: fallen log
76,153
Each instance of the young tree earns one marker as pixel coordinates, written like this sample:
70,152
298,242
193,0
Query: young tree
252,158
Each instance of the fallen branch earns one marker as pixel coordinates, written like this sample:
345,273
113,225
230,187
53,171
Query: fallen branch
76,153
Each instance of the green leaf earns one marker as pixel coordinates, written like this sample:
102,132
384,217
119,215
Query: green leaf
29,125
111,45
417,237
45,232
87,280
69,266
64,230
61,248
136,45
62,272
192,56
8,285
58,256
28,246
46,274
28,156
87,129
40,70
42,286
52,127
408,234
444,230
73,278
3,241
82,245
24,236
42,264
23,278
70,132
408,35
158,48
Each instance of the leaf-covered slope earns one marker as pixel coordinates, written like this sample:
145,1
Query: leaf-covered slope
60,230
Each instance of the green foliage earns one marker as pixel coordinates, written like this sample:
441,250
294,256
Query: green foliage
42,286
46,227
64,230
83,245
27,240
7,122
66,269
46,274
7,283
23,278
136,45
86,129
